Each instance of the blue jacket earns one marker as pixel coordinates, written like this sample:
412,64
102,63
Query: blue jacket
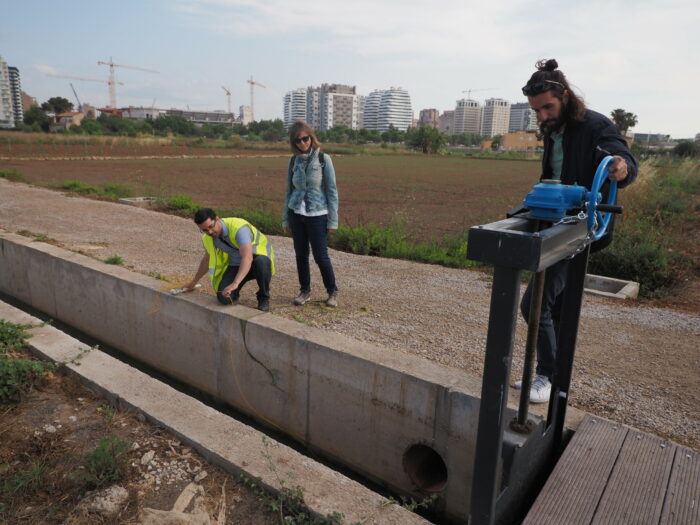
316,186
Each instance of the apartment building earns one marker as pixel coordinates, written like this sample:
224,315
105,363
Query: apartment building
495,117
522,118
446,122
324,107
428,117
467,117
7,112
16,92
295,107
388,107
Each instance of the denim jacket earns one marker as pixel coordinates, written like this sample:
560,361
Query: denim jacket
308,181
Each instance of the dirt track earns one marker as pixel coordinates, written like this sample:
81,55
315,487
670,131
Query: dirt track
636,365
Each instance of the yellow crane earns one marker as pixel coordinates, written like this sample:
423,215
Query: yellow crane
112,81
469,91
253,83
228,95
84,79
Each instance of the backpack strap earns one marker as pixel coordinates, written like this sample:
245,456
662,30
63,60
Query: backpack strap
321,159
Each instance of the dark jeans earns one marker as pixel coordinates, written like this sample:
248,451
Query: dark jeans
261,271
313,231
554,283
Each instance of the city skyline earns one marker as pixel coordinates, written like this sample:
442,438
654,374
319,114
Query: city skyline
434,53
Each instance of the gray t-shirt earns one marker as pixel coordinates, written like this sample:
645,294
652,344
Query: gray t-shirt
244,235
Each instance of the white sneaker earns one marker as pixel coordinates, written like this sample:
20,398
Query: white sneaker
539,391
541,388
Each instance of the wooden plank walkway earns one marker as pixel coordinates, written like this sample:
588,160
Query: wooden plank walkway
613,474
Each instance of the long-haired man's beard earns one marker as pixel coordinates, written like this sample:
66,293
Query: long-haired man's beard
553,124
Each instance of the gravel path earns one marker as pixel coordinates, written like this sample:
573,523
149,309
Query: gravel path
635,365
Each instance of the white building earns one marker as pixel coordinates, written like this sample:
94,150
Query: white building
388,107
522,118
246,115
7,112
16,91
142,113
295,106
467,117
495,117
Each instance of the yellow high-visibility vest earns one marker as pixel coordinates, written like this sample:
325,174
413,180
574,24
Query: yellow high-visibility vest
218,259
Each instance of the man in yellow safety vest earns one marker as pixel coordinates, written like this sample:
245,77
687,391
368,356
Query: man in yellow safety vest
236,252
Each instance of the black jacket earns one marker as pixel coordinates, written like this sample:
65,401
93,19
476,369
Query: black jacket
585,144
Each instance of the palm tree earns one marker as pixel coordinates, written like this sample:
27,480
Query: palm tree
623,119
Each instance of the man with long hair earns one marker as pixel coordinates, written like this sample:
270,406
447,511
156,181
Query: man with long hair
576,139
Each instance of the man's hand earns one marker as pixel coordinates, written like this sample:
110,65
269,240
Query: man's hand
226,292
618,169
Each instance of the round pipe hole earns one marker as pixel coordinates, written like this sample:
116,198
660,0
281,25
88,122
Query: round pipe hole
425,468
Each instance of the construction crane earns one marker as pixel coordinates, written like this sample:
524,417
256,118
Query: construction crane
80,106
84,79
112,82
228,95
253,83
469,91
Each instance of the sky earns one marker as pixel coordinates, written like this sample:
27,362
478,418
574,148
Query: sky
638,55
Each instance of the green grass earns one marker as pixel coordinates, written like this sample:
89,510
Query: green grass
649,241
18,373
114,259
105,464
12,175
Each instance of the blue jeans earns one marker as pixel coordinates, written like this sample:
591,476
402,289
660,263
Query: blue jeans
312,231
261,271
554,283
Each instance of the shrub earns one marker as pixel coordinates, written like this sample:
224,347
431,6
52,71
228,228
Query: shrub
114,259
105,464
182,203
13,175
116,191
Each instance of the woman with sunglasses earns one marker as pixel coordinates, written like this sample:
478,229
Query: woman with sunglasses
311,209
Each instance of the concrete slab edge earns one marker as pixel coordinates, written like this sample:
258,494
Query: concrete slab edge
225,442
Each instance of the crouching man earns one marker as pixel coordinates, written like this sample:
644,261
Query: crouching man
236,252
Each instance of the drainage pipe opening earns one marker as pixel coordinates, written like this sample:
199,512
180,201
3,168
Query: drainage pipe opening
425,468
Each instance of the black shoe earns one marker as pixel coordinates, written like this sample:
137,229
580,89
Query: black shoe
264,304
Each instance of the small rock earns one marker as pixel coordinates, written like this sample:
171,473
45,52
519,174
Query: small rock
107,502
199,477
50,429
73,419
147,457
135,446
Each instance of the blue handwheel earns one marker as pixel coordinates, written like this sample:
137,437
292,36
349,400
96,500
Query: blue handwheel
598,220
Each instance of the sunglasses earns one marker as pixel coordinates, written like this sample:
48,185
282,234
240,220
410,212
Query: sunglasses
304,139
530,90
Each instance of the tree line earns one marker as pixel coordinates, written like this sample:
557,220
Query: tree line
426,139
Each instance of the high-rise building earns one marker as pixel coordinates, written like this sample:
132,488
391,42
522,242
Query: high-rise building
395,110
371,112
446,122
388,107
467,117
522,118
323,107
7,113
428,117
495,117
295,106
16,91
337,106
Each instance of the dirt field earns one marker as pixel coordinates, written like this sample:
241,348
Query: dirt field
434,196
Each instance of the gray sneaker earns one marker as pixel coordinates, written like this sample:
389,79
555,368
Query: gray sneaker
302,298
332,300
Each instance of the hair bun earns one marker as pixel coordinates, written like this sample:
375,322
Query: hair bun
547,65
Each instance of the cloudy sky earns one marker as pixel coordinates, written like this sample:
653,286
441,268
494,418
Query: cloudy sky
637,55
